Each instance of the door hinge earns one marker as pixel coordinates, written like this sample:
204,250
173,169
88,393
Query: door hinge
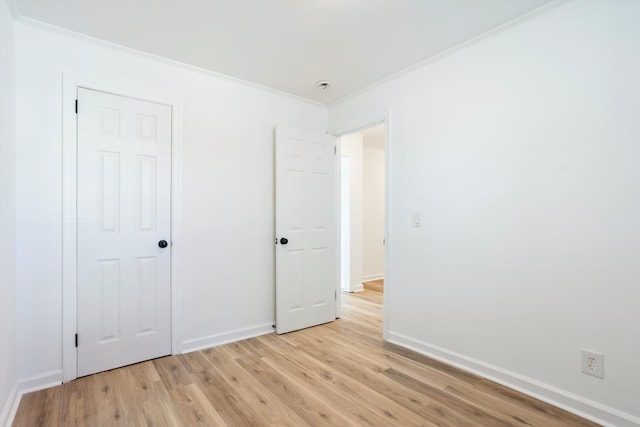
76,340
335,149
76,106
335,295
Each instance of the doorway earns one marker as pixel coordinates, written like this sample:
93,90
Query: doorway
362,216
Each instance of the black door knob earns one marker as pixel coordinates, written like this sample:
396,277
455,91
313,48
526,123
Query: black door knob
284,241
163,243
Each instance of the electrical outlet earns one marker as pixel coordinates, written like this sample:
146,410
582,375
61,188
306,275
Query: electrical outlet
592,363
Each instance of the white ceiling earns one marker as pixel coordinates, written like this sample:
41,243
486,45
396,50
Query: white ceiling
287,45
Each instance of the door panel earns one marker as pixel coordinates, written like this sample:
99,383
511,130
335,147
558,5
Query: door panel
109,300
124,190
306,265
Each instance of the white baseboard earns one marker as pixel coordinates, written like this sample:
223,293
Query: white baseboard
371,277
24,386
226,337
40,381
568,401
10,407
355,288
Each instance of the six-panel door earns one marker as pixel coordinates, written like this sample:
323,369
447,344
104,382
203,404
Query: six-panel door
305,216
124,205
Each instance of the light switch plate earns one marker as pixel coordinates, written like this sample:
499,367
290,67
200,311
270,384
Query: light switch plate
416,219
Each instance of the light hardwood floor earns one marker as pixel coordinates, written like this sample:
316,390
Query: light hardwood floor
341,373
374,285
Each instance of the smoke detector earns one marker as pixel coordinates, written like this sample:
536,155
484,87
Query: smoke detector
323,84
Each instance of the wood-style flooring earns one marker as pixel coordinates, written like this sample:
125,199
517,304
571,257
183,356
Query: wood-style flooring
340,374
374,285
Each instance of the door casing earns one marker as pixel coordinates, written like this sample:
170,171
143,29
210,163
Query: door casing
69,209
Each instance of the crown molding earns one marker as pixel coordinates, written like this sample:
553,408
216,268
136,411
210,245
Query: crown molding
145,55
15,11
453,50
13,7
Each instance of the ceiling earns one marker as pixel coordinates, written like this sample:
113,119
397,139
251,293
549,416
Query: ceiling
286,45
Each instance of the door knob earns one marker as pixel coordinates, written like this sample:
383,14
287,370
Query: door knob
284,241
163,244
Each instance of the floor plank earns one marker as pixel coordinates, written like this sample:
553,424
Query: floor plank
338,374
374,285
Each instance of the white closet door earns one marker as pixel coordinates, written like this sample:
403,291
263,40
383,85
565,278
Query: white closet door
124,204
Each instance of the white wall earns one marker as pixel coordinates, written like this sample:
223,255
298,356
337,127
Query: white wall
345,223
521,153
351,148
8,377
225,266
373,205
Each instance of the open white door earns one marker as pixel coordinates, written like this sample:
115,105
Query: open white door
124,253
306,264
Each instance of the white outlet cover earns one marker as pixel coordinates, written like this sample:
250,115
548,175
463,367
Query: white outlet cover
592,363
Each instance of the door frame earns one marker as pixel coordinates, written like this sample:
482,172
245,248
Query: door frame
70,85
388,275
